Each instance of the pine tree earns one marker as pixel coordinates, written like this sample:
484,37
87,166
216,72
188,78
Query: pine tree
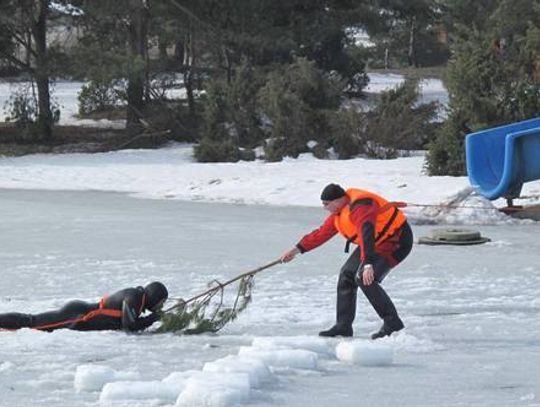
115,47
492,78
405,29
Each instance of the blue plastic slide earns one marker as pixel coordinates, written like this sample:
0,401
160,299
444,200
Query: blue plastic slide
501,159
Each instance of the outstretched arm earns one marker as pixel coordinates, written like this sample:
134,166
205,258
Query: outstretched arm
312,240
132,322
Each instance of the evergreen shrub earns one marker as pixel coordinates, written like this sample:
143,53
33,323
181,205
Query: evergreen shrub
398,122
99,96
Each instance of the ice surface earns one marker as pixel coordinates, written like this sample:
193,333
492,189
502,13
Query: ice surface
471,313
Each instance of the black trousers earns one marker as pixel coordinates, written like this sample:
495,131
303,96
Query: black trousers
350,278
69,316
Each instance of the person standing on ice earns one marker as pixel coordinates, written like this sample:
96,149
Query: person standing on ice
383,238
119,311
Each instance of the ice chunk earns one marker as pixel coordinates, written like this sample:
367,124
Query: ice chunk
254,367
293,358
209,389
179,378
366,353
138,390
94,377
166,390
314,344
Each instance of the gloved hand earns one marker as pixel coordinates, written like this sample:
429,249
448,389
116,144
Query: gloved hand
153,317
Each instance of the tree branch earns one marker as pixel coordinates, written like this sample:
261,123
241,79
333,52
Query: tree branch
16,61
190,14
27,46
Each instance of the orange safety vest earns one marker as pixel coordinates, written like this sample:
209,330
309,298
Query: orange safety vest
388,219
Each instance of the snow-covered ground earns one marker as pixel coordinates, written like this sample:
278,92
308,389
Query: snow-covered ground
64,96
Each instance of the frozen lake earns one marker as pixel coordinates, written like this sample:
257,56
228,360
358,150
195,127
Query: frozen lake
472,318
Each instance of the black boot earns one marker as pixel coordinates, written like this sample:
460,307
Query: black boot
389,326
346,300
338,330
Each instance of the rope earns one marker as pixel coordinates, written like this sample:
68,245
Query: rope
220,286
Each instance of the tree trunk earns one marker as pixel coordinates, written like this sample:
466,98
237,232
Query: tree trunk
39,33
412,44
189,60
162,46
138,34
228,64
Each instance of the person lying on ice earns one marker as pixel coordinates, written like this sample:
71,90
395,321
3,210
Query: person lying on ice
119,311
384,239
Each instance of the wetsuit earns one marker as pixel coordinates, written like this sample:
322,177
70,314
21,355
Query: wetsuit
119,311
382,254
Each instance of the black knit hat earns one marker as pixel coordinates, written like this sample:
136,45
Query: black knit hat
331,192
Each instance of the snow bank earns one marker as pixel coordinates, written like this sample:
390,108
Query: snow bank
171,173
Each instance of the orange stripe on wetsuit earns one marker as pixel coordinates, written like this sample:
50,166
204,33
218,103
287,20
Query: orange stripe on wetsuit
101,311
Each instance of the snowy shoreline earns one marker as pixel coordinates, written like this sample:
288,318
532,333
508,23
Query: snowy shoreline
172,173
